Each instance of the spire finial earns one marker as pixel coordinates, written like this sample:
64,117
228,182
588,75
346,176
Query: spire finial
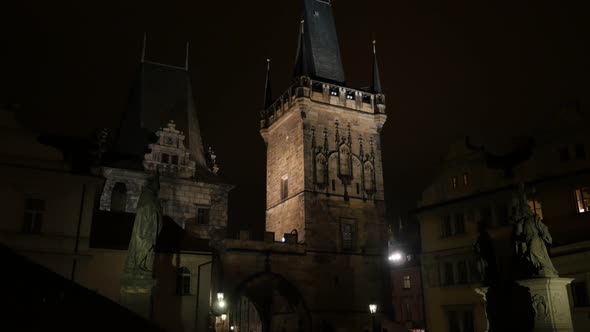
301,62
186,57
143,46
376,84
267,87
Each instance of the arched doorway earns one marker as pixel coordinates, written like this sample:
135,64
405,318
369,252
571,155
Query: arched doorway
267,302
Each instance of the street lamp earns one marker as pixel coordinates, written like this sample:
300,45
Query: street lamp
223,317
373,311
395,257
220,301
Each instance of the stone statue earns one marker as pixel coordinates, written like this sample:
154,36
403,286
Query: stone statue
485,256
531,237
146,228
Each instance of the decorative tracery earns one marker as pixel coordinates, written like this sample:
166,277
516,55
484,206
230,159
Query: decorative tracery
340,169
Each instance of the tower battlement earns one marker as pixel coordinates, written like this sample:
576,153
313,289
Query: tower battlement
326,93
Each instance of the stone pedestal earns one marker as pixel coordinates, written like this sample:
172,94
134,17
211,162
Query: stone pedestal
136,293
550,303
483,292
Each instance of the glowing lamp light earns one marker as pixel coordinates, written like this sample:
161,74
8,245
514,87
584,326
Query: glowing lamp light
372,308
231,328
220,301
395,257
223,317
283,239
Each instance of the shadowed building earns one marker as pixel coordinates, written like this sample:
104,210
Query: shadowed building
474,187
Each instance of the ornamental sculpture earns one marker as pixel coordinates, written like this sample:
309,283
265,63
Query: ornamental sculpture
531,238
146,228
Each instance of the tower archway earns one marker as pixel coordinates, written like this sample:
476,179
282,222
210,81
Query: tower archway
266,302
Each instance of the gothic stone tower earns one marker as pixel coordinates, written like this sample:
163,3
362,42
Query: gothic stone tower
324,172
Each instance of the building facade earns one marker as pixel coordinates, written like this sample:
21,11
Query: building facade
475,187
78,223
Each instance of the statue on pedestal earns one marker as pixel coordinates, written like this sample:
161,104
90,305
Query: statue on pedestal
531,237
146,228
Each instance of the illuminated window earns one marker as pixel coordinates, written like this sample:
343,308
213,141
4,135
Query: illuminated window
407,282
535,206
466,180
350,96
284,187
583,199
454,182
183,281
33,216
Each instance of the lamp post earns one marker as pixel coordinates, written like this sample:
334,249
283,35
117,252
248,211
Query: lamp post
220,309
373,311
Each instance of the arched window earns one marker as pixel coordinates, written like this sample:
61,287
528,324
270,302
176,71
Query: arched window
183,281
369,178
321,170
345,167
119,197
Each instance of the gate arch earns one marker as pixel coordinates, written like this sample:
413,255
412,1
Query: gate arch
278,303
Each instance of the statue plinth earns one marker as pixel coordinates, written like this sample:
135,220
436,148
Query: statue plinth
136,293
550,303
483,292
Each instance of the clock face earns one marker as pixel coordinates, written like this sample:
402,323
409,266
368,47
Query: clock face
169,141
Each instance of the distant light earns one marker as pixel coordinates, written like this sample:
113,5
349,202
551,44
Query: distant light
219,296
231,327
223,316
395,257
222,304
283,239
372,308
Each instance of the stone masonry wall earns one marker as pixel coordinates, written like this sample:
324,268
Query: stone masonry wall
179,198
285,159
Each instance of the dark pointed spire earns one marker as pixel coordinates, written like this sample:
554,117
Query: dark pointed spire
143,47
267,87
319,50
186,56
301,61
376,84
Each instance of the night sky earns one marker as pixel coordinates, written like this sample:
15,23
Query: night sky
488,69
